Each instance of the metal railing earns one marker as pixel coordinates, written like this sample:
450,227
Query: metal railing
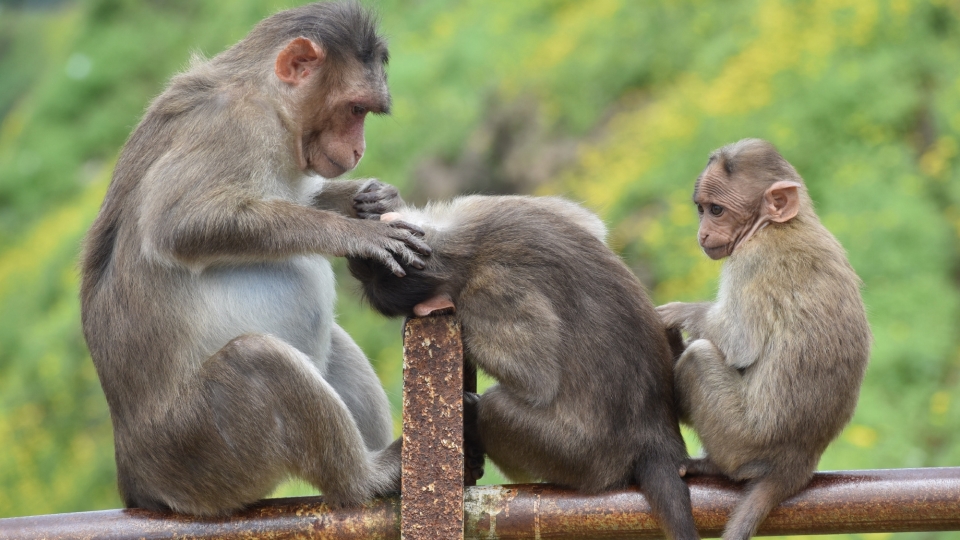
435,504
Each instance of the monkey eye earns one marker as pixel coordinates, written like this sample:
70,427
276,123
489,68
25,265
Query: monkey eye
700,209
715,209
359,110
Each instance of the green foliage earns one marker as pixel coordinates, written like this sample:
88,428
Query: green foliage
863,97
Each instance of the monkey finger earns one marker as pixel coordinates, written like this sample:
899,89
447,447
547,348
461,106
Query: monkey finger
376,206
387,259
366,197
415,262
404,254
400,224
373,196
412,241
372,184
368,215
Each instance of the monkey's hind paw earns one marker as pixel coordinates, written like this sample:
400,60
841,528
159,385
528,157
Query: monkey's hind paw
698,466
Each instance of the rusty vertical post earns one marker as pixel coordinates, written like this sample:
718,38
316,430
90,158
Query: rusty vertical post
431,491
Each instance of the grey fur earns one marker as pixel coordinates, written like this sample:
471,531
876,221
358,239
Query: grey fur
207,301
585,395
773,368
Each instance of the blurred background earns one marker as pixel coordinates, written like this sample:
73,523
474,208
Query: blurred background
615,103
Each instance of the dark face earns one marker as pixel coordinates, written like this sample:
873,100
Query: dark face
727,216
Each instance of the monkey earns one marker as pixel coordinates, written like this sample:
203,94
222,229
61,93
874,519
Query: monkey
771,371
206,294
545,307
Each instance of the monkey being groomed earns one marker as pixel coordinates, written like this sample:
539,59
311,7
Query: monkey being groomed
206,299
772,369
585,395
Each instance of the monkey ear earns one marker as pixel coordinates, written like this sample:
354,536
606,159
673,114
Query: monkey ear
437,305
781,201
298,60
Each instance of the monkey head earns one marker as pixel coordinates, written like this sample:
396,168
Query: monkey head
392,295
331,96
746,186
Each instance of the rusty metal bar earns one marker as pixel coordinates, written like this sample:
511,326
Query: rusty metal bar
274,519
436,505
431,490
889,500
892,500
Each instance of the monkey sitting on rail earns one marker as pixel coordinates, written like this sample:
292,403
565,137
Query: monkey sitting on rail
206,298
585,395
773,368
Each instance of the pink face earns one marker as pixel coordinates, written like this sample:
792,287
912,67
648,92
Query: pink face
726,216
331,104
732,210
333,141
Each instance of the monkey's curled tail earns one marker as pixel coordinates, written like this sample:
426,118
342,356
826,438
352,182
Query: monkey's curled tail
762,495
668,495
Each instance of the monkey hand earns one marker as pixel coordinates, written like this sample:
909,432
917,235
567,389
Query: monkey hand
375,198
674,315
393,244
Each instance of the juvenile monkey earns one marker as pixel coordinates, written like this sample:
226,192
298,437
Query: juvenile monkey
772,369
206,298
545,308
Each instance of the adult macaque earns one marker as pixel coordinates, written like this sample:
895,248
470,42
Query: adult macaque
207,302
772,369
585,395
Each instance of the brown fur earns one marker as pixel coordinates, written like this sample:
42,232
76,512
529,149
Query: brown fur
544,305
773,368
207,303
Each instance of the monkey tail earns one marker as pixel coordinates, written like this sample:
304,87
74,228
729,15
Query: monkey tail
762,495
669,497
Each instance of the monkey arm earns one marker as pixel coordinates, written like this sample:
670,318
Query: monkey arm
513,334
251,230
689,317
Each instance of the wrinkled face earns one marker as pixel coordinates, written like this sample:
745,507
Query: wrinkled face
727,214
332,140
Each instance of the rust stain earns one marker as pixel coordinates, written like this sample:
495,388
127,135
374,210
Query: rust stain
432,465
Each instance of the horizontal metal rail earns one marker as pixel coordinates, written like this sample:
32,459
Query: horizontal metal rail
891,500
437,505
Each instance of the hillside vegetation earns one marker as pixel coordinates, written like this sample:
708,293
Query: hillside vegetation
615,103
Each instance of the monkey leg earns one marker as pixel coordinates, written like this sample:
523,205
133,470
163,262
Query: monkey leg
352,376
710,395
258,411
529,442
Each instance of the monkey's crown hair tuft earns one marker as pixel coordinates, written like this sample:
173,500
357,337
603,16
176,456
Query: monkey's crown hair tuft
756,155
344,30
